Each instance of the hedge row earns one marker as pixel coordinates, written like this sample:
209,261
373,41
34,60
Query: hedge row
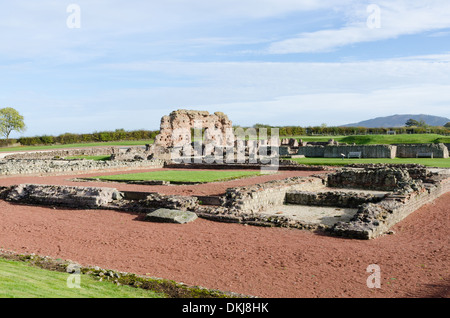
347,131
103,136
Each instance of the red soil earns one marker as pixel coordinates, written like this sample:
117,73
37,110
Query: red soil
265,262
214,188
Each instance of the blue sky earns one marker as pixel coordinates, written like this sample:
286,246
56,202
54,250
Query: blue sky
279,62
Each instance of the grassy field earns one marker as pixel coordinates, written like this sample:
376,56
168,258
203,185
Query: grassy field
180,176
93,144
96,158
429,162
380,139
358,139
19,280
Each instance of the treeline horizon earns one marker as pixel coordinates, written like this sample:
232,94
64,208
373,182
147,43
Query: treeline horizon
284,131
71,138
349,131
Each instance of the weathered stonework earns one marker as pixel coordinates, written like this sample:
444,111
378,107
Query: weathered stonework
257,197
404,190
384,179
76,197
176,128
61,154
373,220
40,167
171,216
412,150
331,198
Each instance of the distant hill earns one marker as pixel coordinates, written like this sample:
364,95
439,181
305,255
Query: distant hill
399,121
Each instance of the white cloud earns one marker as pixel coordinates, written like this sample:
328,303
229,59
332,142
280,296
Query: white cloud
397,18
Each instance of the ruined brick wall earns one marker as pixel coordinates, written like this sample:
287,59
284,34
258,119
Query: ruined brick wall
331,198
373,220
175,129
367,151
95,151
411,150
335,151
383,179
260,196
39,167
55,195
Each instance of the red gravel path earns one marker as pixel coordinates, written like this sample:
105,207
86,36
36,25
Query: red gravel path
265,262
214,188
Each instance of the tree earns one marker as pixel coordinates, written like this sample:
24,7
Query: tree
10,120
447,125
412,123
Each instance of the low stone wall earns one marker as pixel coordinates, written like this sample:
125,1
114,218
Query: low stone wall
373,151
411,150
312,151
367,151
44,154
255,198
331,198
54,195
415,171
375,216
383,179
335,151
373,220
38,167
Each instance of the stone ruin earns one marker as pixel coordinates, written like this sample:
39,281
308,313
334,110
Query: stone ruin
291,147
175,130
214,138
347,203
405,187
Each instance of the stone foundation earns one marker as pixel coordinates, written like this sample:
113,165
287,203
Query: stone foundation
258,197
373,215
40,167
369,151
53,195
331,198
412,150
94,151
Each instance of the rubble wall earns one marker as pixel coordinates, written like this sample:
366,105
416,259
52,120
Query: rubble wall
411,150
373,220
96,151
39,167
330,198
258,197
54,195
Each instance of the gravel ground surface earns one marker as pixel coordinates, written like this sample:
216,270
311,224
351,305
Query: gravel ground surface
259,261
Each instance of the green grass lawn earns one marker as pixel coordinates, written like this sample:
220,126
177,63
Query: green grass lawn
380,139
429,162
96,158
92,144
180,176
19,280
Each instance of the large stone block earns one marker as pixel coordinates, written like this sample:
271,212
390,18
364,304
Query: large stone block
171,216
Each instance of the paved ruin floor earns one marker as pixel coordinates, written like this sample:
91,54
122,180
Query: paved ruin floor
312,214
266,262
